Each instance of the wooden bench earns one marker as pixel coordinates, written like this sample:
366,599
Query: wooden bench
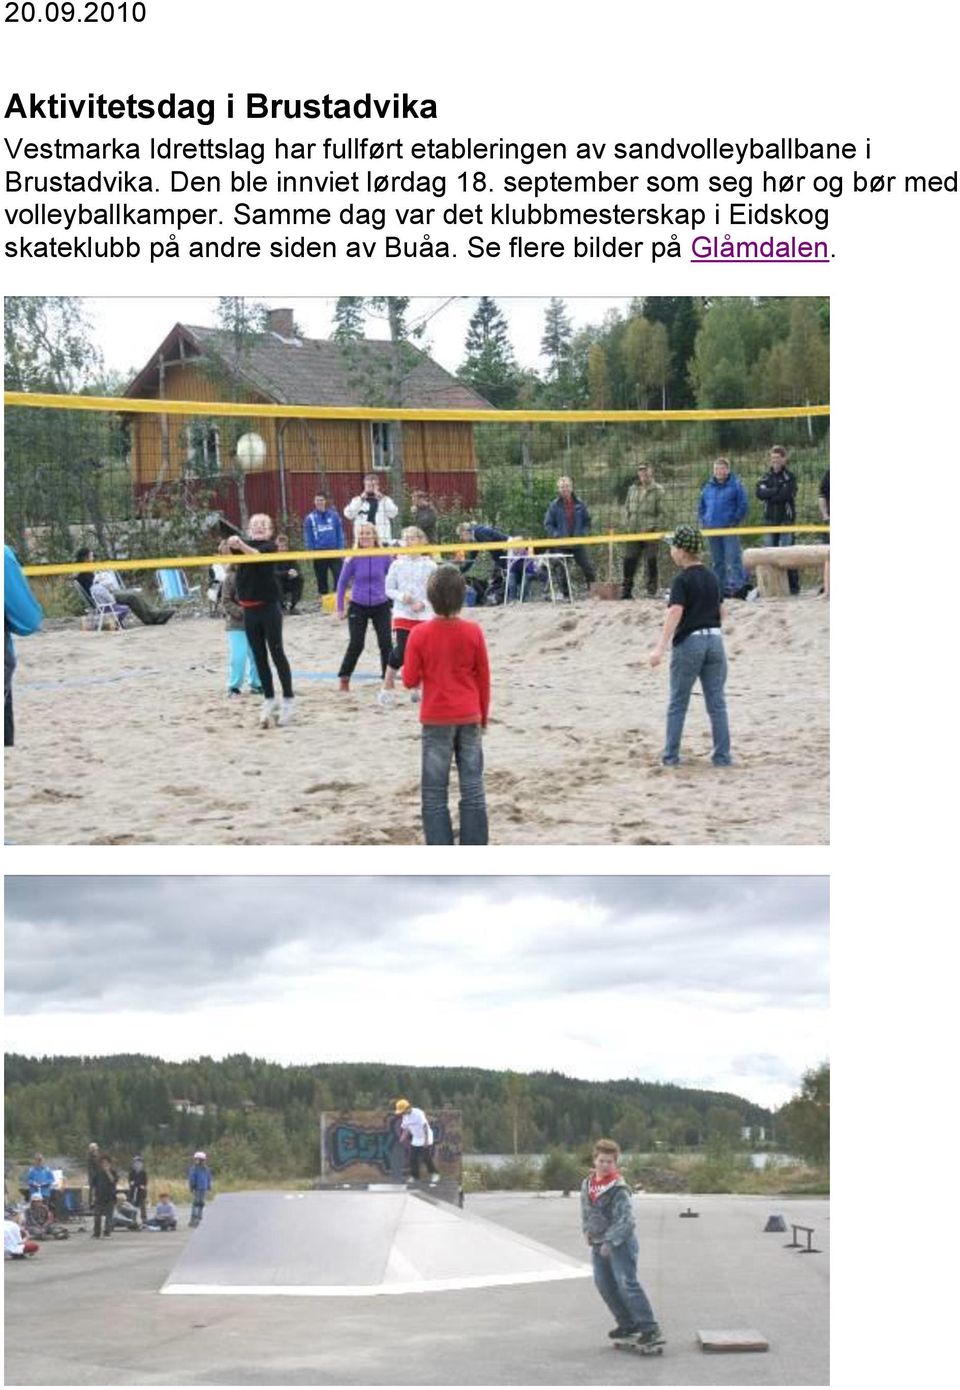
772,562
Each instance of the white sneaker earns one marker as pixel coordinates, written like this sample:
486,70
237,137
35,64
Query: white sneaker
434,1179
286,712
387,698
268,713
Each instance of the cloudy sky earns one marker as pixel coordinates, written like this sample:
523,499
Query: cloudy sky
128,331
712,982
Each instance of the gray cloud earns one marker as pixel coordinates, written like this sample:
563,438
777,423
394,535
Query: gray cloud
83,943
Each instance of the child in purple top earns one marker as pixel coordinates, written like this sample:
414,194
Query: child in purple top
366,577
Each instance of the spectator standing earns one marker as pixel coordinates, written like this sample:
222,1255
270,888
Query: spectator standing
723,504
374,507
22,615
39,1179
104,1197
777,490
93,1168
424,515
323,530
823,499
644,509
137,1185
567,516
200,1182
291,580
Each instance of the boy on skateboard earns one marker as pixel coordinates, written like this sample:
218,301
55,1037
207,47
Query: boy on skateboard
606,1214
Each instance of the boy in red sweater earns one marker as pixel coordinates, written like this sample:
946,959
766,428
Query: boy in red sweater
449,658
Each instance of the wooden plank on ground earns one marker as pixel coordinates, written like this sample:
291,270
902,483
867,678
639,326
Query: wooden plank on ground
733,1339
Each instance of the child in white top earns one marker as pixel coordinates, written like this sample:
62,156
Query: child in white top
406,586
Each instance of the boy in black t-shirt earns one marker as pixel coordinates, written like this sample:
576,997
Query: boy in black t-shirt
693,624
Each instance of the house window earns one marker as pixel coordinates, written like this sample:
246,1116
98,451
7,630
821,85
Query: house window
381,451
203,449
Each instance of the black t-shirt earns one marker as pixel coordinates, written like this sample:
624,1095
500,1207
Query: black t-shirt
258,583
696,589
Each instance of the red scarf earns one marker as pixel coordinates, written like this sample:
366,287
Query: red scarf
598,1186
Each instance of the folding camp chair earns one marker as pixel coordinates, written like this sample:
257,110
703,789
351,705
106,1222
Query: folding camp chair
174,588
102,608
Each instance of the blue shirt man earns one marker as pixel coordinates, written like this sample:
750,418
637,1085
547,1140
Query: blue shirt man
323,530
724,503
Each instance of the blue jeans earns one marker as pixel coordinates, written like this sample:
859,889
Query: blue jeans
726,558
703,659
777,538
618,1285
240,663
441,744
196,1209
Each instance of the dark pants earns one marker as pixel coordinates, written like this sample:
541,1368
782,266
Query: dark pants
103,1218
196,1209
358,615
633,553
138,1196
581,558
292,590
327,571
441,744
264,629
141,608
420,1155
395,659
9,666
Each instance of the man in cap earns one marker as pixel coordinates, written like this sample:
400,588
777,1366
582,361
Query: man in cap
416,1133
643,510
693,627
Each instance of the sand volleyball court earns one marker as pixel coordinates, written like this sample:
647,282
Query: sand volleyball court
129,738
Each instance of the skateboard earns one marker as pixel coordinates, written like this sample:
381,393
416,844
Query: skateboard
641,1348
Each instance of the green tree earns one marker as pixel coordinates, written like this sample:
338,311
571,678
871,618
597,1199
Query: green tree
47,344
804,1122
348,317
555,346
598,378
646,360
516,1090
489,366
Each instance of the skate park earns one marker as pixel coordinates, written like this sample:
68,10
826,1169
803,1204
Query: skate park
107,1320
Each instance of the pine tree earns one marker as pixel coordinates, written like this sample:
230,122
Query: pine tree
489,366
348,317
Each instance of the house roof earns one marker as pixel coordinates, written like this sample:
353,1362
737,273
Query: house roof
317,371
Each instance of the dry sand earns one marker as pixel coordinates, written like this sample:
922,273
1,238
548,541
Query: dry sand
129,738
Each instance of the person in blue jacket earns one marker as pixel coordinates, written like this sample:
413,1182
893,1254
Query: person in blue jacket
723,503
567,515
22,615
200,1182
323,530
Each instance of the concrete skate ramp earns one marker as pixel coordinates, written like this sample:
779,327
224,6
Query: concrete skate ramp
327,1244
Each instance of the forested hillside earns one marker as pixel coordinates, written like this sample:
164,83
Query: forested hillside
262,1111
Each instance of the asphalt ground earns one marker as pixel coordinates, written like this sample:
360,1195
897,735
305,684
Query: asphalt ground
90,1313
